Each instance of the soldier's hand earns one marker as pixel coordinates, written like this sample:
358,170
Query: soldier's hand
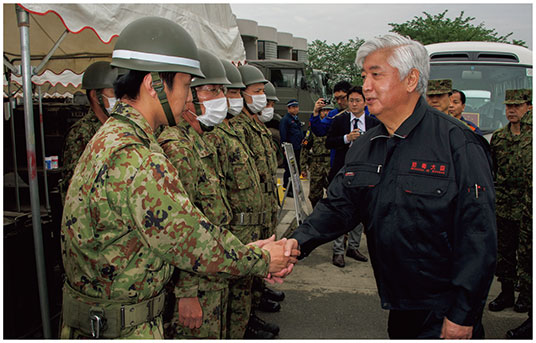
321,102
281,255
278,277
262,242
190,312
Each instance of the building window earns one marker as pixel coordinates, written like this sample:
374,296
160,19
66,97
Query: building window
295,55
261,52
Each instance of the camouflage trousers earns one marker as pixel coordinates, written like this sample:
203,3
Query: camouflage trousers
524,255
318,179
150,330
507,245
214,326
239,307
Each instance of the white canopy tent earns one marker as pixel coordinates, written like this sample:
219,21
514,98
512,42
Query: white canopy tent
54,43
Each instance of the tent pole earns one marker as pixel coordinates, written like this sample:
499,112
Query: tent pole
13,143
41,124
51,52
23,22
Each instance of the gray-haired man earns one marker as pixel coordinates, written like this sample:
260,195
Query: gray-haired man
421,183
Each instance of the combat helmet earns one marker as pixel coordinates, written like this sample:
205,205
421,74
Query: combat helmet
517,96
439,86
251,75
156,45
269,90
214,72
98,76
233,75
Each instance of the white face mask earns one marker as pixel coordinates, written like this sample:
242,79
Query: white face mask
215,112
235,105
266,114
111,103
259,102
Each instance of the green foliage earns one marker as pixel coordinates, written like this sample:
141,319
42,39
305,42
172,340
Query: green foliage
336,59
438,28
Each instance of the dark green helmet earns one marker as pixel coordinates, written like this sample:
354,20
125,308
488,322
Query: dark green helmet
99,75
269,90
213,69
233,75
251,75
156,45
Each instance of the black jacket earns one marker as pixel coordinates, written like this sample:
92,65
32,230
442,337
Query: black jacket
335,139
426,198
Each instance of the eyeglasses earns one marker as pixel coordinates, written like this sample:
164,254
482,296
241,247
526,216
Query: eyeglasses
214,91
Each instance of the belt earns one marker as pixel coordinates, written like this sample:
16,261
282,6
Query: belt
100,318
249,218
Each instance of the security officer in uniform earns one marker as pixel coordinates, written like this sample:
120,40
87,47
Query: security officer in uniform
315,159
200,309
127,219
421,184
244,193
291,132
508,146
98,82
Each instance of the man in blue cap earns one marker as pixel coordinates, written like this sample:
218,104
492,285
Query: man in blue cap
291,132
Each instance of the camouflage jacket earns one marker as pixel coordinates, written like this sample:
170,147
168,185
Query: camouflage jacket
128,220
508,152
200,174
259,139
242,180
315,152
76,139
526,132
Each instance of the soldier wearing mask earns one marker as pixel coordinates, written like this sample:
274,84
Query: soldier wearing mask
242,183
200,307
127,220
98,82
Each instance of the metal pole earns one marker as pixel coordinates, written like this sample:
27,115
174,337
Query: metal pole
23,21
12,120
43,148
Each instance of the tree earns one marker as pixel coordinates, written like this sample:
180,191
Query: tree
437,28
336,60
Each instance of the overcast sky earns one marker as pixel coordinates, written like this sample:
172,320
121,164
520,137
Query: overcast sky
340,22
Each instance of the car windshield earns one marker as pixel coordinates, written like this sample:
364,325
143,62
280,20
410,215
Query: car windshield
484,86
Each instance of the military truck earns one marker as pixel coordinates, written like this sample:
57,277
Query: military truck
292,80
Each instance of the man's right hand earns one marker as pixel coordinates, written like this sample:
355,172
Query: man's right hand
321,102
352,136
190,312
282,253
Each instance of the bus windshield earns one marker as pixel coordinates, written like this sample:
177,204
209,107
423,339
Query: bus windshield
484,86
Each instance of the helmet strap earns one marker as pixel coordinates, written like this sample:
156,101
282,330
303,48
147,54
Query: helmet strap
101,102
158,86
198,111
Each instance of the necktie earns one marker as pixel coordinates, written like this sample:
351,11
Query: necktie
355,123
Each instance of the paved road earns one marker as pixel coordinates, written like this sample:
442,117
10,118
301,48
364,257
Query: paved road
323,301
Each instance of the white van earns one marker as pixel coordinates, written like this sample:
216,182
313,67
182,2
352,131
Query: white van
483,71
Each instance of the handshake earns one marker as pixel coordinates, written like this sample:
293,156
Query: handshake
283,256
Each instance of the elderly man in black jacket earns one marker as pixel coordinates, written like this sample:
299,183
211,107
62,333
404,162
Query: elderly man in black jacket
421,183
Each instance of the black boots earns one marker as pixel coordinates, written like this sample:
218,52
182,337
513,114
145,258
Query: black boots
524,331
505,298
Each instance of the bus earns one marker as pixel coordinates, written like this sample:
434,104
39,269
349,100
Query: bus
483,71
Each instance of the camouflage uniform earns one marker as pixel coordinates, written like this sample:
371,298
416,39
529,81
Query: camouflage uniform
439,86
259,139
524,253
128,220
200,174
243,187
508,150
78,136
315,158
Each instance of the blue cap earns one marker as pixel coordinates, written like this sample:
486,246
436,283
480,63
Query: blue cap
292,102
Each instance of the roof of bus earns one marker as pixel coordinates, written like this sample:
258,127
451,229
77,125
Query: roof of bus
524,54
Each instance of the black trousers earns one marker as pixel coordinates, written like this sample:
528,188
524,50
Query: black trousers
422,324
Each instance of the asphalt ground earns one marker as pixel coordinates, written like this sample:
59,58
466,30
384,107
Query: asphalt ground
326,302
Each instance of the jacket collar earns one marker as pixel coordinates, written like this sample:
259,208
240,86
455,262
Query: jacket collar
408,125
143,128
